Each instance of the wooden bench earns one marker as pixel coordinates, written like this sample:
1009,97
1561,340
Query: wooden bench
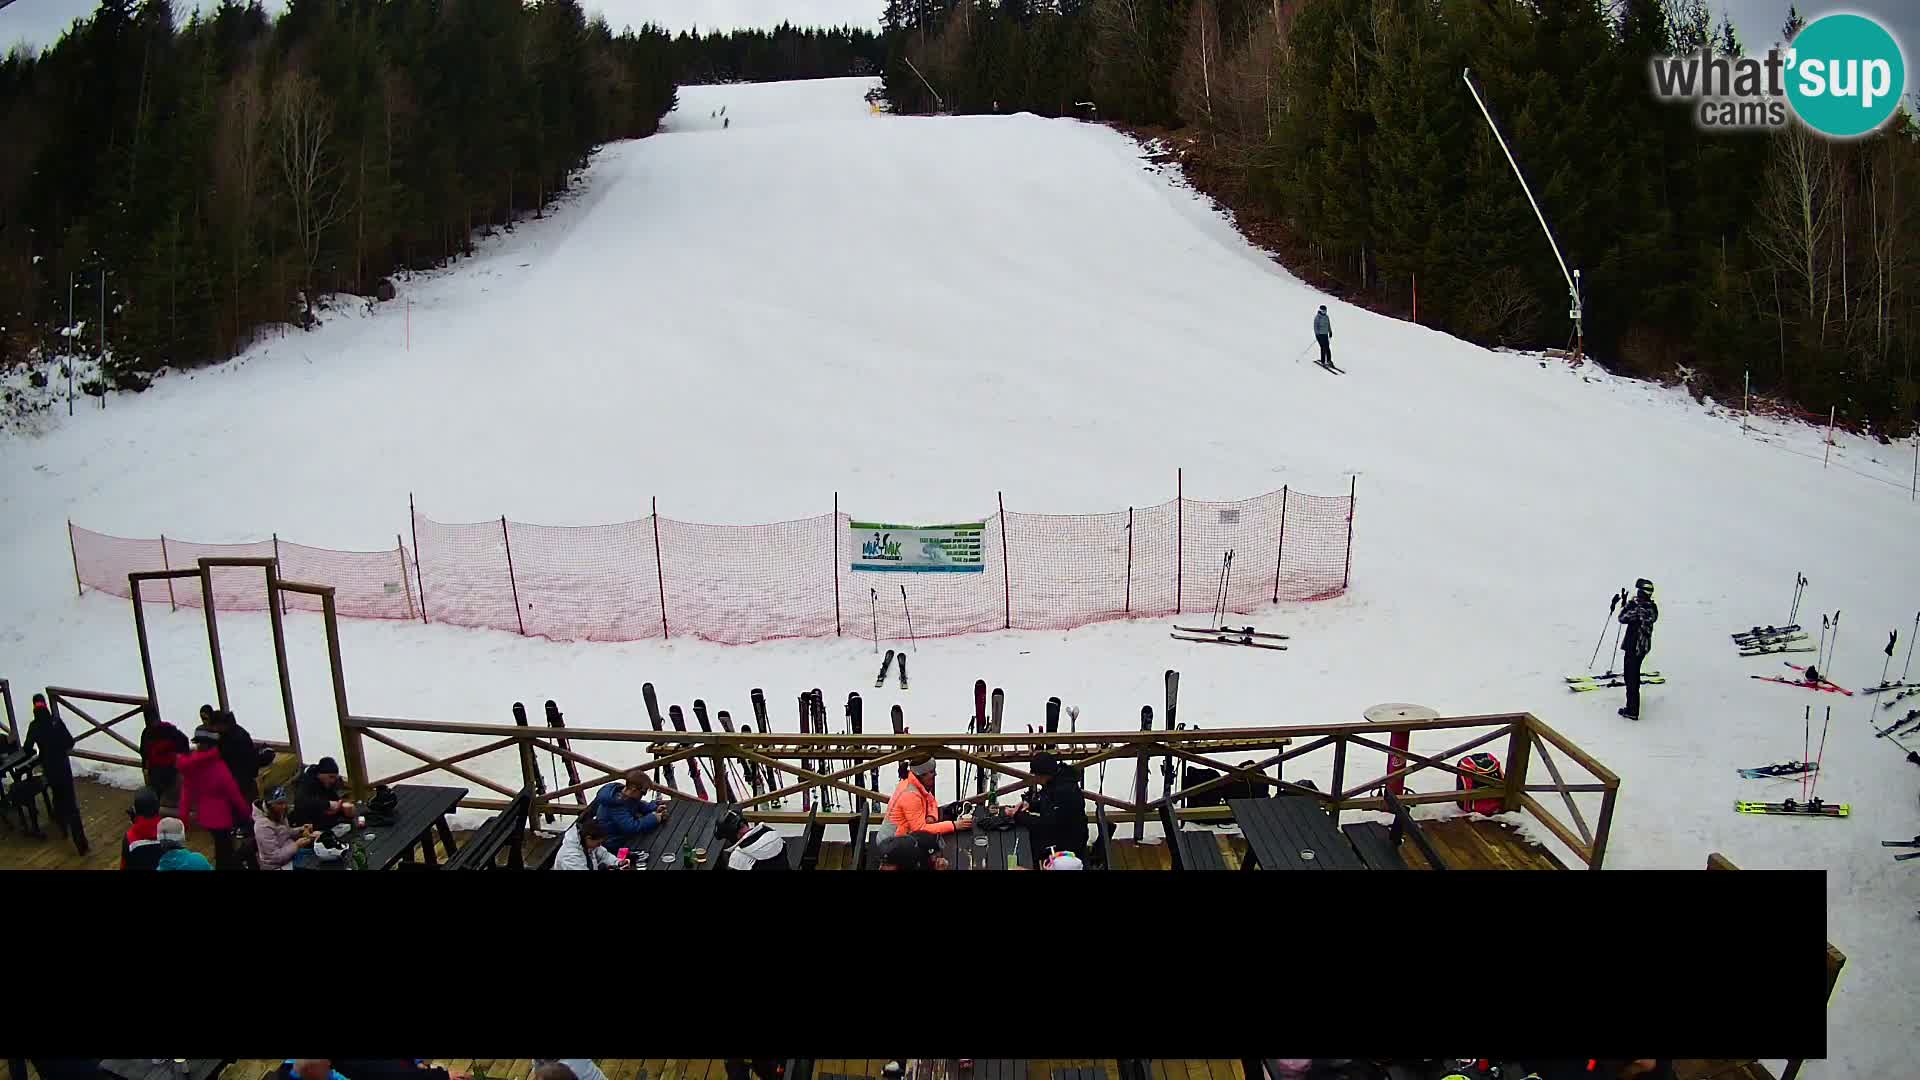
1102,853
857,834
1094,1073
503,832
803,851
1373,842
1189,850
1002,1069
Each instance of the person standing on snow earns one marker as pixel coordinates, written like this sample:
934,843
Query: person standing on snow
1638,616
1323,333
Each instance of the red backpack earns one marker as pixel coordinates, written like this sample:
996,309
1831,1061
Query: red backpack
1483,765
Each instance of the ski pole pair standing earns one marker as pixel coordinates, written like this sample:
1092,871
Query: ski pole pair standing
873,607
1613,604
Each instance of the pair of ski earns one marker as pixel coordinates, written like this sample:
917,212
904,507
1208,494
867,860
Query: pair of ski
1913,843
558,724
988,723
1784,771
1743,637
1581,684
1778,645
881,679
1230,635
754,777
1790,808
1819,683
1913,715
1141,779
1329,365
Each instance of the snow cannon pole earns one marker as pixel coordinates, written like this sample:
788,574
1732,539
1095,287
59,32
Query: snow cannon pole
910,634
1613,602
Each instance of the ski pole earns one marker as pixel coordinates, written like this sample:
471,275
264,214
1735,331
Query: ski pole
1916,633
1833,643
910,635
1616,633
1612,603
873,607
1806,744
1820,653
1821,756
1892,636
1799,584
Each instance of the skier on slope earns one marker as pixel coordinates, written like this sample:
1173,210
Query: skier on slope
1323,333
1639,615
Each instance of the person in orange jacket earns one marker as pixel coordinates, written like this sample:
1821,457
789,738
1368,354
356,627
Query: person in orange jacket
914,808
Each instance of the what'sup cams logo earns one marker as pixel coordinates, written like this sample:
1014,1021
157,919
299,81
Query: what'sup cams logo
1843,75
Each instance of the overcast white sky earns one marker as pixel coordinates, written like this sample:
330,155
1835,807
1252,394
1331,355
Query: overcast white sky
40,22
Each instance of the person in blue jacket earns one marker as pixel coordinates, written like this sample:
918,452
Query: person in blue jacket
626,812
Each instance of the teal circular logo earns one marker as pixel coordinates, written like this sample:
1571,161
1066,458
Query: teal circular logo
1845,75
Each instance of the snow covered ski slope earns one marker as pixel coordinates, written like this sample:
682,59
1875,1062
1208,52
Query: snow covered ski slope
917,313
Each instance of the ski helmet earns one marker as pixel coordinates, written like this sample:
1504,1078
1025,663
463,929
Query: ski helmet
1644,587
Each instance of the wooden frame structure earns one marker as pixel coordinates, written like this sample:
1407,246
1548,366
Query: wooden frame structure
839,762
1835,961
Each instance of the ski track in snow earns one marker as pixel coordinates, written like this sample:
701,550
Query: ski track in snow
918,313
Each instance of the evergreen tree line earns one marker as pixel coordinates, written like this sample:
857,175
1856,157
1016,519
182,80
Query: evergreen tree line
1705,255
785,52
227,172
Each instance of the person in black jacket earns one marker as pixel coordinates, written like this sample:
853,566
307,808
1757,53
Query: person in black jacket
161,745
48,735
320,796
1055,813
237,750
1639,615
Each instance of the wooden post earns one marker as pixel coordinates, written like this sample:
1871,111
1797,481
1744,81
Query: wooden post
213,635
350,741
1602,827
75,553
1353,490
1912,494
1831,411
1006,570
1129,601
1339,775
659,571
140,632
833,551
1416,298
400,550
1179,532
413,520
511,583
1282,552
1746,399
167,564
1519,753
277,621
276,565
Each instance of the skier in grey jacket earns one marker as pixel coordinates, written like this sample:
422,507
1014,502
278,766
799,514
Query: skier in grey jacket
1323,333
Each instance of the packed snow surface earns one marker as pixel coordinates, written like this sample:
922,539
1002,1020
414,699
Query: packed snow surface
920,312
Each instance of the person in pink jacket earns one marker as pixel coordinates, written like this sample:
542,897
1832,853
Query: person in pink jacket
209,798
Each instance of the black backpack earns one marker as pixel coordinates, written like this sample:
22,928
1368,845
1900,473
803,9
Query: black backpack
383,808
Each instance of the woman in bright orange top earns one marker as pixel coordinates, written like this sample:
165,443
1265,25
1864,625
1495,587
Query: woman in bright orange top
914,809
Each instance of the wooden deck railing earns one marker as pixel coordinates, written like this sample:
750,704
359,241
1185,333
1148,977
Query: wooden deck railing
842,763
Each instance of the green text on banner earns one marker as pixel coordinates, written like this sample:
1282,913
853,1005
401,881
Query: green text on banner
919,548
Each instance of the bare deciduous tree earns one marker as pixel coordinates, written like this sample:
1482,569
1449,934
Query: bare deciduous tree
1794,212
240,161
302,138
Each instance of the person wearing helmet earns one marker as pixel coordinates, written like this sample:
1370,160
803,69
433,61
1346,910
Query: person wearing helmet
1323,333
1638,616
752,847
175,854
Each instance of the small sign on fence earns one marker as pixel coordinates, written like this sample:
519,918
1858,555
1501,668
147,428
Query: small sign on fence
919,548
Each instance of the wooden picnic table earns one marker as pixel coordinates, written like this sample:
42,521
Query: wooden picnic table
420,810
965,853
690,822
1292,832
164,1069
